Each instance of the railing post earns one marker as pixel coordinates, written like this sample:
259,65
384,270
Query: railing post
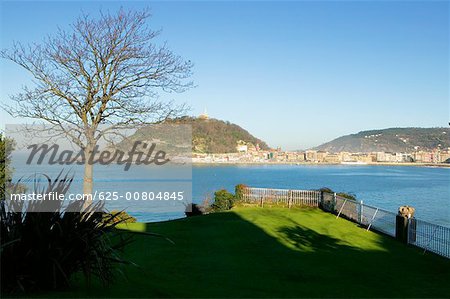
412,230
408,231
401,228
402,223
320,202
289,198
334,201
361,212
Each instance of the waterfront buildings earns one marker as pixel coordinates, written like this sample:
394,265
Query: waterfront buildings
249,153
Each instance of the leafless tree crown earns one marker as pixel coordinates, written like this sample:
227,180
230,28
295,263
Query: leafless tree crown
102,71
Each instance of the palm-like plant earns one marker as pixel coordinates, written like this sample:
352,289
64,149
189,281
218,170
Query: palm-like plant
42,250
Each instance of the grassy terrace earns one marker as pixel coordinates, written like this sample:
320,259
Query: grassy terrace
255,252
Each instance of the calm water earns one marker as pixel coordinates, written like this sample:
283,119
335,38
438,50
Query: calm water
388,187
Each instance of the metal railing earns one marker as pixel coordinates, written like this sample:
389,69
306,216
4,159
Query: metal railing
263,196
429,236
425,235
366,215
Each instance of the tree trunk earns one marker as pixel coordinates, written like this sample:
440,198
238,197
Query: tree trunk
88,178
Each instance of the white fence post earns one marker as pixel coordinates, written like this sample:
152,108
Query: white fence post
361,207
334,201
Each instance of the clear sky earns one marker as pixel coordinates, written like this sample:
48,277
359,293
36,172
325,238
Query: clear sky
295,74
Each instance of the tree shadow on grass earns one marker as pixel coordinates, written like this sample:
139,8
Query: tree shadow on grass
234,257
307,240
226,255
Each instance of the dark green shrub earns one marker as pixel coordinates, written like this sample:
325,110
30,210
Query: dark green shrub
239,191
326,190
193,209
42,251
223,201
341,194
346,195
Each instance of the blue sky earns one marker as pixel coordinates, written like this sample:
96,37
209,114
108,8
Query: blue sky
295,74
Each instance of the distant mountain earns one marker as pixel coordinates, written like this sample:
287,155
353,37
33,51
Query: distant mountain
390,140
213,136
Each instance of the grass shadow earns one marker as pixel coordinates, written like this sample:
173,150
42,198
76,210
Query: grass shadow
254,252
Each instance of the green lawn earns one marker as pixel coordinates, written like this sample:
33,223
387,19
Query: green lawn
272,252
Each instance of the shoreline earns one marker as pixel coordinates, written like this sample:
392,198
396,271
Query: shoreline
432,165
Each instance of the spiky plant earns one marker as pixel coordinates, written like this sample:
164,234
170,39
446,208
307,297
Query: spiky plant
43,250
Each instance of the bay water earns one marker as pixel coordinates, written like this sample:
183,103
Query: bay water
388,187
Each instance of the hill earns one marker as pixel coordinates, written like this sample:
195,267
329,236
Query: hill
213,136
390,140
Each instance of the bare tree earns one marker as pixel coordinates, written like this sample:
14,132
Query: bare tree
102,71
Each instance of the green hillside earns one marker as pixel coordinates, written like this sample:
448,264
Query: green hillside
215,136
390,140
